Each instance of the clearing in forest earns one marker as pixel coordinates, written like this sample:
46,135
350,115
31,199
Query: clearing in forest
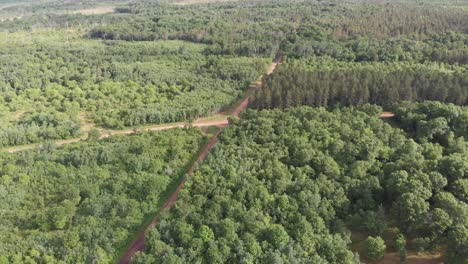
95,11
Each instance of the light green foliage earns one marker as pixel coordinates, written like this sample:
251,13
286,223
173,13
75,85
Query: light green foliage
93,134
82,203
282,185
205,233
118,84
374,248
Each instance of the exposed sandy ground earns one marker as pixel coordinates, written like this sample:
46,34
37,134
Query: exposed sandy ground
393,258
192,2
219,123
85,123
387,115
95,11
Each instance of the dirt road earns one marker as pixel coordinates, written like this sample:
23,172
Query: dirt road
201,123
139,243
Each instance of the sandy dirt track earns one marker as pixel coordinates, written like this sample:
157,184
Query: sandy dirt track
219,123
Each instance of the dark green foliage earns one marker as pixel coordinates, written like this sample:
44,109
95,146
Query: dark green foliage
260,200
123,83
281,181
318,81
400,246
93,134
458,244
282,186
352,31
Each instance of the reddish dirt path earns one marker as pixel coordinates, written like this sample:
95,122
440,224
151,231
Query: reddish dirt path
245,102
139,243
243,105
393,258
387,115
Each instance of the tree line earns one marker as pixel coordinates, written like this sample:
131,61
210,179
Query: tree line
320,81
351,31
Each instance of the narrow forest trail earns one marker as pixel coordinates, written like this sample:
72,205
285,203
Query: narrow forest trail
139,243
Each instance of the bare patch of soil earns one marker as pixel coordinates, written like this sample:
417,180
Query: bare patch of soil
95,11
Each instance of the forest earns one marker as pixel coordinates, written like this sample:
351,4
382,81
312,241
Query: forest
321,81
48,80
83,203
152,63
287,186
310,174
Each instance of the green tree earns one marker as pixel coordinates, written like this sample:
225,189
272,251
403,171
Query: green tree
400,246
93,135
205,233
277,236
374,248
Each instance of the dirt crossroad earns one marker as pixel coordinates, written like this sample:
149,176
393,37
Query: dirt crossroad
139,243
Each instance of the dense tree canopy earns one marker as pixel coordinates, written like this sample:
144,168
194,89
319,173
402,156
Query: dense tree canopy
281,185
319,81
84,202
284,185
56,64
